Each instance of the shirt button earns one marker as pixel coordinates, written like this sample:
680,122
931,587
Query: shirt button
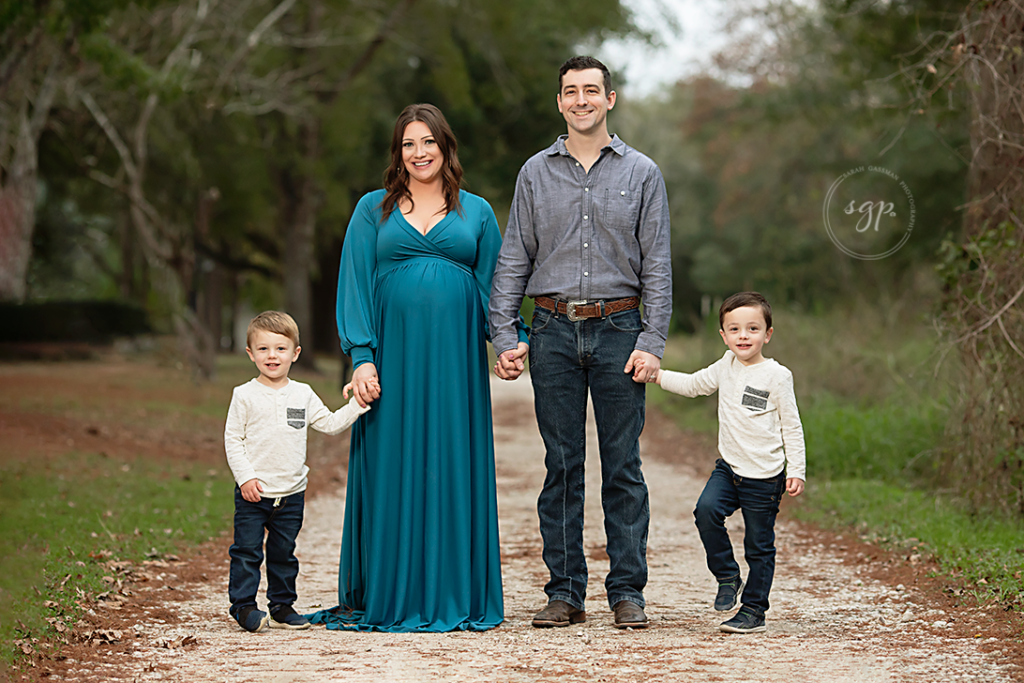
577,163
586,244
623,193
586,189
585,274
585,216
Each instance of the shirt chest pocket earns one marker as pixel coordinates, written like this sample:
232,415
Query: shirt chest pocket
296,417
621,210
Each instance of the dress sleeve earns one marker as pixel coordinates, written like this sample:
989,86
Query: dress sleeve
355,307
488,247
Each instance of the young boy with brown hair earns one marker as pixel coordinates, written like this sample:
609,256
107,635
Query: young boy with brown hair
761,444
265,441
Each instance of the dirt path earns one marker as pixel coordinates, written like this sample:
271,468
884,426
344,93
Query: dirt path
829,620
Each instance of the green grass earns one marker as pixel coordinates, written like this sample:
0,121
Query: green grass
984,551
62,521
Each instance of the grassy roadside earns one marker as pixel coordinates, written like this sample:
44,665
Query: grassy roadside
874,411
64,522
118,460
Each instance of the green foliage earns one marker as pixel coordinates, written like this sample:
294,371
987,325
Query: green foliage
124,70
984,552
894,441
63,520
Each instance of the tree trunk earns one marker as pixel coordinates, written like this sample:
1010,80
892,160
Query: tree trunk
298,248
19,190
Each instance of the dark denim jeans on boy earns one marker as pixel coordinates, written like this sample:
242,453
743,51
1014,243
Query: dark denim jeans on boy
282,523
758,499
566,359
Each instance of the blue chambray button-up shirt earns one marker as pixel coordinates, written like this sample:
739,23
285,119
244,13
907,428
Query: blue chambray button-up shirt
574,235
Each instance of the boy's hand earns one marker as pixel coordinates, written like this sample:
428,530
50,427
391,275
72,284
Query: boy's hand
365,384
251,490
794,486
643,365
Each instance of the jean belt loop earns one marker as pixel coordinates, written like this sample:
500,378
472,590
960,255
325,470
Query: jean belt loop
603,314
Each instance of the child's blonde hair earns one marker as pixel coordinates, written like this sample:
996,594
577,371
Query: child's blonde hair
273,321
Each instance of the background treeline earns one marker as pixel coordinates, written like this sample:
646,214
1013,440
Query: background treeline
200,159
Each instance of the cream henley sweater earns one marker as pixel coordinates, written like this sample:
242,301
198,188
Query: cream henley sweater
265,433
759,430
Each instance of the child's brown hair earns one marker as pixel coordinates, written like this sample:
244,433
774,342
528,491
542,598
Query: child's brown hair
273,321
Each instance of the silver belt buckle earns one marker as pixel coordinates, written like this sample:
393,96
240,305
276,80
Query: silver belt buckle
570,309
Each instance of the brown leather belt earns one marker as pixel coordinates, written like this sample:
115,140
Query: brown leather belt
578,310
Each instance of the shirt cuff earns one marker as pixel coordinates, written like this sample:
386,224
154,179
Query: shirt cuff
650,343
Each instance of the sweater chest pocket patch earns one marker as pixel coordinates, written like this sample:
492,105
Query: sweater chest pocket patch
296,417
755,399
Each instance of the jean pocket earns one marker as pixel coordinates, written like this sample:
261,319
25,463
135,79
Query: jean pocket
627,321
541,318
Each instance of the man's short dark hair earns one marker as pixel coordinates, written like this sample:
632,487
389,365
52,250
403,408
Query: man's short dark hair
745,299
582,62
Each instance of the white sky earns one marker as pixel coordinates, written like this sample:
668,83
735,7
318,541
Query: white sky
682,53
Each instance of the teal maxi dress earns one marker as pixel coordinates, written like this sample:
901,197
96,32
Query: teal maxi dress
420,543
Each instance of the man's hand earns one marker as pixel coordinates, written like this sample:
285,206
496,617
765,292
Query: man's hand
251,490
794,486
643,365
365,385
510,363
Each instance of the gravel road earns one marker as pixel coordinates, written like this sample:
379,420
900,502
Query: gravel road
829,620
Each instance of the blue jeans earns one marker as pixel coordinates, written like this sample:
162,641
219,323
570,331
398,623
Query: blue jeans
282,523
568,359
758,499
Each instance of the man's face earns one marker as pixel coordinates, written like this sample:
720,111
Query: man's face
584,103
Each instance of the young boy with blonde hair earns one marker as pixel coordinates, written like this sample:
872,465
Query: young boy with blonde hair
265,441
761,444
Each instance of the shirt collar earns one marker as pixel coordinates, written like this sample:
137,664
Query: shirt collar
558,147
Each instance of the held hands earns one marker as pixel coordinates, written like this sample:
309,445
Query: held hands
646,367
794,486
251,490
364,385
510,363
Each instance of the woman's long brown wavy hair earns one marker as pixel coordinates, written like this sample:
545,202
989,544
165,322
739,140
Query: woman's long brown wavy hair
396,178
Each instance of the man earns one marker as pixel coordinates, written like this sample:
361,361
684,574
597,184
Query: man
588,238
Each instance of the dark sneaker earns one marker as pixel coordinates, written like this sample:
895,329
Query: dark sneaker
728,592
558,613
744,622
286,617
251,619
629,615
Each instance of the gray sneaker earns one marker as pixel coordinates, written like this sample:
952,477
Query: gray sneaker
728,593
744,622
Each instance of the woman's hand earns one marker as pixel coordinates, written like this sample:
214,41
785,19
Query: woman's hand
365,385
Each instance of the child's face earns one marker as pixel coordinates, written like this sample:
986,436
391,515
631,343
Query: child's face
745,333
273,355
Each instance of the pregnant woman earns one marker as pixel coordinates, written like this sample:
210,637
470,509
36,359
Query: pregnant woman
420,542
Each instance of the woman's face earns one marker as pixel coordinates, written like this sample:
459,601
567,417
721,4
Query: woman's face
420,153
